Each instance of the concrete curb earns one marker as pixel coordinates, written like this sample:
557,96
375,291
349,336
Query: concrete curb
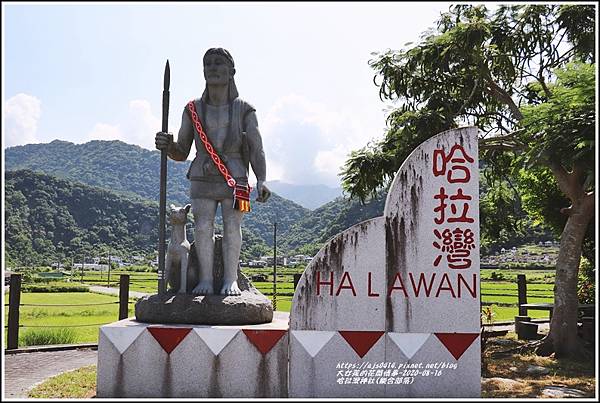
55,347
509,323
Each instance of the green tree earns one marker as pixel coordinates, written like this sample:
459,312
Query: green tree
524,76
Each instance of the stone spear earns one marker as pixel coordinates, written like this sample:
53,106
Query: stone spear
162,282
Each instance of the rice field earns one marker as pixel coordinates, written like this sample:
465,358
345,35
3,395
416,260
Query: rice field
501,295
83,312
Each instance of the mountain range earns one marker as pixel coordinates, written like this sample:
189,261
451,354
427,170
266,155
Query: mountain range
113,170
308,196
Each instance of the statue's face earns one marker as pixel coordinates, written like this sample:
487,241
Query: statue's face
217,70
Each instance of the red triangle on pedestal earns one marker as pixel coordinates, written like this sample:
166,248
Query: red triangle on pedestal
264,340
360,341
169,337
457,343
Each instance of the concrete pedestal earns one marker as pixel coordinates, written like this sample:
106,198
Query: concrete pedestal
153,360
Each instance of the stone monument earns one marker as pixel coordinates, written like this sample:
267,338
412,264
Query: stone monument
212,334
390,307
224,130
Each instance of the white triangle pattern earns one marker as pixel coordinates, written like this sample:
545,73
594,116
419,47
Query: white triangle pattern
122,337
312,341
409,343
216,339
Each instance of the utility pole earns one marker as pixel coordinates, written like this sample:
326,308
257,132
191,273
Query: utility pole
108,282
275,266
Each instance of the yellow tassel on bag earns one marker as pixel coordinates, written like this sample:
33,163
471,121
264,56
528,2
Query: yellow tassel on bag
241,198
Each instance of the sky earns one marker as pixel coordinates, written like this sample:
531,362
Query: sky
94,71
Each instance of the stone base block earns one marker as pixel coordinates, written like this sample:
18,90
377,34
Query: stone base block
142,360
249,308
377,364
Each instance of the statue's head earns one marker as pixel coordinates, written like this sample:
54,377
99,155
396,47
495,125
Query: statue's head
219,69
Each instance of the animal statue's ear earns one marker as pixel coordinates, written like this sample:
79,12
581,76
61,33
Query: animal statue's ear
187,208
172,206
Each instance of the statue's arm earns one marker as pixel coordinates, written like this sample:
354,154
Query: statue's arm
180,149
257,154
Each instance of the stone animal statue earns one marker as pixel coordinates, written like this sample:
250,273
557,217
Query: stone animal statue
176,264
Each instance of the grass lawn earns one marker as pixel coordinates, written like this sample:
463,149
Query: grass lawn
66,316
78,384
508,313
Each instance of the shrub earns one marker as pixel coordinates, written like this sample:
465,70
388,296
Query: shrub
488,314
54,288
43,337
586,286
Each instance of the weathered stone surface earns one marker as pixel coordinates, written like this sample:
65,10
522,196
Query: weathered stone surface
141,360
561,392
536,370
502,383
251,307
247,308
397,278
194,269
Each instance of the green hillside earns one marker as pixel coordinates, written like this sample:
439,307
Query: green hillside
309,234
65,217
133,171
50,219
120,167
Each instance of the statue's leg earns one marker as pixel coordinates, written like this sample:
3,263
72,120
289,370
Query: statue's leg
183,269
204,237
232,244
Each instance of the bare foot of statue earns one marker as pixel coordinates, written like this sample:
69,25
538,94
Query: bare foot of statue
203,288
230,288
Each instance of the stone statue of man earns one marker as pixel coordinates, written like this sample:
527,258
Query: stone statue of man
232,128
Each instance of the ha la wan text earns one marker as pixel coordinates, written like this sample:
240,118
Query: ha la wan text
409,285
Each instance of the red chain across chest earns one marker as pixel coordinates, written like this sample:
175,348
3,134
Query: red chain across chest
209,148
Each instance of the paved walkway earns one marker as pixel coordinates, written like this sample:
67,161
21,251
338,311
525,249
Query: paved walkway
22,371
115,291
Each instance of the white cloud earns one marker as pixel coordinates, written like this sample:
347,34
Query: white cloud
139,126
103,131
21,115
308,142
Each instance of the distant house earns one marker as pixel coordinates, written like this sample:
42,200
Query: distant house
90,266
281,260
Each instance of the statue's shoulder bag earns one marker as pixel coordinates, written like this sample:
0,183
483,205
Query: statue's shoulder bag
241,192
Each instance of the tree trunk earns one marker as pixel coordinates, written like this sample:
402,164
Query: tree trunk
562,338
